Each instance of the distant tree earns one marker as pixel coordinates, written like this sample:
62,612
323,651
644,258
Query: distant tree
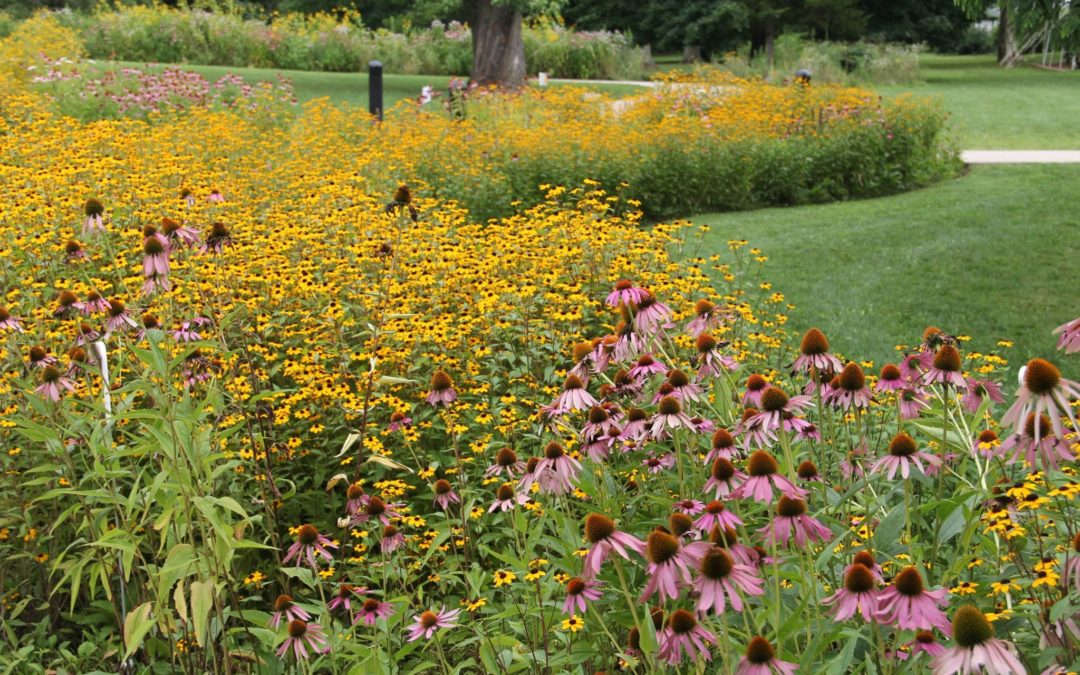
1025,24
498,47
937,23
834,19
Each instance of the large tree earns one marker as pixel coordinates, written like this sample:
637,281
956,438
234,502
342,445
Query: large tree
498,48
1027,24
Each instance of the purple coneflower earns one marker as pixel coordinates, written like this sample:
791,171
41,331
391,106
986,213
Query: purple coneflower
355,499
669,415
426,623
626,293
628,343
690,507
977,390
753,430
867,560
709,360
215,197
600,421
1069,333
945,368
285,608
600,531
890,379
814,350
442,389
646,366
309,544
9,322
217,238
763,477
977,650
67,303
506,499
722,577
636,426
175,232
851,390
445,494
578,591
53,384
1037,445
728,539
398,421
187,333
304,636
761,659
723,445
681,386
807,471
755,387
505,460
706,317
73,252
345,595
912,366
155,256
669,564
776,407
392,539
119,319
39,357
376,509
857,595
557,471
911,401
909,606
724,478
924,642
655,464
372,610
574,396
650,314
791,520
717,514
986,444
94,304
1044,390
682,635
95,216
187,197
903,453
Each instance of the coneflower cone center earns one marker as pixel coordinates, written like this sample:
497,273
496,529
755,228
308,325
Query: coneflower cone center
597,415
573,382
717,563
376,507
554,450
307,535
345,591
722,469
440,381
505,492
715,507
723,536
623,285
582,350
890,373
371,604
645,361
680,523
909,582
970,627
790,508
902,445
37,353
681,622
987,436
705,343
925,637
282,603
859,579
703,307
636,415
761,463
662,547
678,378
756,382
947,359
1041,377
1044,425
153,247
354,492
864,558
773,399
721,438
442,486
389,531
807,470
814,343
575,586
598,527
297,628
1076,542
505,457
428,619
852,378
759,651
669,405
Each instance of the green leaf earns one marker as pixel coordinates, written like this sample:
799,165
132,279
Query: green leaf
137,624
841,664
888,530
202,601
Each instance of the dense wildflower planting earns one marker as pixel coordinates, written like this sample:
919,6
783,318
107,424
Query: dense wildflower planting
275,402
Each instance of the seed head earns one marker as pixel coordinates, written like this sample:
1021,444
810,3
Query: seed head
661,546
1041,377
909,581
307,535
440,381
947,359
807,470
681,622
598,527
773,399
442,486
788,507
705,343
297,628
721,438
902,445
761,463
717,563
859,579
669,405
554,450
970,627
814,343
680,523
678,378
852,377
759,651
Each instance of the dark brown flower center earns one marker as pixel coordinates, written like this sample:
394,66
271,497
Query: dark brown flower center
307,535
93,207
153,246
681,622
925,637
814,343
442,486
371,605
715,507
947,359
530,466
852,378
440,381
1041,377
902,445
790,508
645,360
722,469
623,285
505,492
116,308
282,603
575,586
859,579
661,546
37,353
987,436
389,531
1044,426
680,523
723,536
773,399
748,413
678,378
636,415
721,438
865,558
703,307
354,492
756,382
346,590
759,651
807,470
554,450
761,463
705,343
598,415
375,507
72,247
573,382
598,527
428,619
970,627
297,629
909,582
67,298
717,563
669,405
506,457
890,373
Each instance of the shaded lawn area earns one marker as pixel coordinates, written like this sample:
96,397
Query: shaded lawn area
994,254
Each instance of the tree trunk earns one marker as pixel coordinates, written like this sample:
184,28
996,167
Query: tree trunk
498,48
1006,41
770,46
691,54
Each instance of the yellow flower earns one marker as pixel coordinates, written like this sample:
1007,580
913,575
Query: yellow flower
573,624
503,577
964,588
1003,587
475,604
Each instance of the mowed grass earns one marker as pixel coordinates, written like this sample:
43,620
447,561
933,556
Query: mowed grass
994,108
352,88
993,255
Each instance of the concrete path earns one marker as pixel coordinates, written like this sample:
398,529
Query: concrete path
1020,156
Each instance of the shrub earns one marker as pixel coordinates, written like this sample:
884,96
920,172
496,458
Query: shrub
833,62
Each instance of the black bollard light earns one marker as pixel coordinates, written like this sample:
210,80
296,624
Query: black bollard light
375,97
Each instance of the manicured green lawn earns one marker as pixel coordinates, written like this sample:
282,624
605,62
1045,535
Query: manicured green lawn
352,88
993,108
993,254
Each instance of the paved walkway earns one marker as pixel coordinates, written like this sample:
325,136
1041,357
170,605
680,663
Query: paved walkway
1020,156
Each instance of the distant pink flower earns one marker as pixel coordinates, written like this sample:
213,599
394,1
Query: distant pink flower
717,514
851,391
924,642
557,471
669,564
344,597
506,499
95,216
709,360
215,197
604,538
392,539
355,499
761,659
187,331
285,608
755,387
626,293
977,390
724,478
815,354
94,304
53,384
398,421
890,379
1037,445
302,637
669,416
722,577
40,357
723,445
909,606
119,318
217,238
910,402
706,317
655,464
791,521
764,477
1069,333
574,396
690,507
426,623
373,610
442,390
309,545
945,368
177,233
858,595
681,386
650,314
902,455
977,651
155,257
646,366
376,509
578,591
775,404
445,494
683,634
912,366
